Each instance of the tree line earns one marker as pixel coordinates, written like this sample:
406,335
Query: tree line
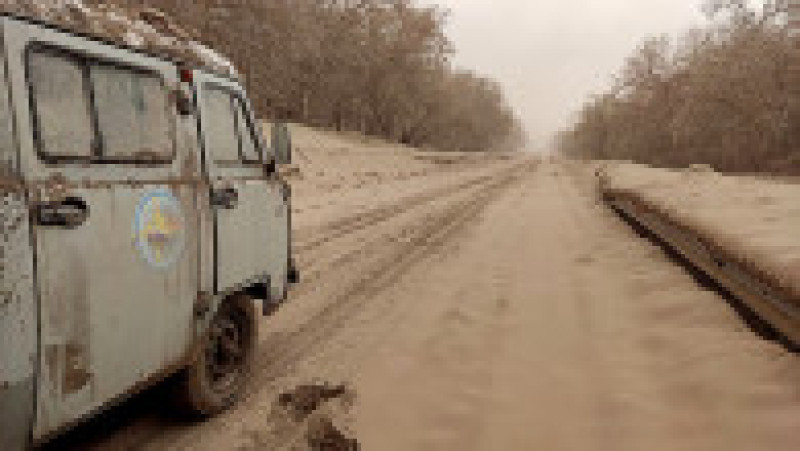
380,67
722,95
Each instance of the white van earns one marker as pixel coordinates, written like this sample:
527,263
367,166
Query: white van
141,218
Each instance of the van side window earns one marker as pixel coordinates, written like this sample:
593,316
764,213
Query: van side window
229,133
87,109
132,113
61,100
249,148
220,126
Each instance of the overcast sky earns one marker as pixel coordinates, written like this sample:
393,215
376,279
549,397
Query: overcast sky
550,54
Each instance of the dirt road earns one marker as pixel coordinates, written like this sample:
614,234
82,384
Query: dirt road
492,306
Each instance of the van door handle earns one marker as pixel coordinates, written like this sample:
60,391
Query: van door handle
226,198
69,213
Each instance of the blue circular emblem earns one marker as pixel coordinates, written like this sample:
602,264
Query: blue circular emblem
159,229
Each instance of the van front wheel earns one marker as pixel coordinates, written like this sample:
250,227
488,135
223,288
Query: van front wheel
220,373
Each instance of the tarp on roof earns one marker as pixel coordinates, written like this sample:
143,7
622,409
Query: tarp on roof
145,28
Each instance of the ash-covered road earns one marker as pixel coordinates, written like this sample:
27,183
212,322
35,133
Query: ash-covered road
484,305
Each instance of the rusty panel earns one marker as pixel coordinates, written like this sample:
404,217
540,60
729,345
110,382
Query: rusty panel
18,326
115,310
112,313
18,338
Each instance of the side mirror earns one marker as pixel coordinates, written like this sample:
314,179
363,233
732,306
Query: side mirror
184,102
269,167
282,143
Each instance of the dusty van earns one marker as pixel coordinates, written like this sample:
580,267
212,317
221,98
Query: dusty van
142,224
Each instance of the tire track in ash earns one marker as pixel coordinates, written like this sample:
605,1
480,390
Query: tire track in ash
439,227
311,238
312,257
369,255
421,238
345,290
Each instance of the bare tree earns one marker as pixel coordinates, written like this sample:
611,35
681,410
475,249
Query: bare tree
377,66
723,96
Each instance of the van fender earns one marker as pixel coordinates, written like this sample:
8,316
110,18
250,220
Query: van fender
258,289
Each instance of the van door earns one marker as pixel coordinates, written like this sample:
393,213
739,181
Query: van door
115,217
18,323
250,208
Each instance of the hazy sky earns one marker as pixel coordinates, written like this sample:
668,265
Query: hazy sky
550,54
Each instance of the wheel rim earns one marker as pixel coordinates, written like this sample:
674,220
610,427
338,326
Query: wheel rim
226,351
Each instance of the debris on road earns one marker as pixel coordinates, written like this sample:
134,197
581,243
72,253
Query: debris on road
475,306
305,399
322,435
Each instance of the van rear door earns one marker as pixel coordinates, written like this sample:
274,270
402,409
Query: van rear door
115,217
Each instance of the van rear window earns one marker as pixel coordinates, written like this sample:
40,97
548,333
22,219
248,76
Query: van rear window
132,113
64,122
87,109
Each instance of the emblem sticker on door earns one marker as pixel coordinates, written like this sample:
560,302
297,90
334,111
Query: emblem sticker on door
158,229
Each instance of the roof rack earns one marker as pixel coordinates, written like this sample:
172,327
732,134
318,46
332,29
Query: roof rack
154,53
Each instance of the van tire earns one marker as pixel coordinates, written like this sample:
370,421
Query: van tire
220,372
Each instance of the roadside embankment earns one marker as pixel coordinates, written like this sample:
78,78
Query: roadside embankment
750,223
